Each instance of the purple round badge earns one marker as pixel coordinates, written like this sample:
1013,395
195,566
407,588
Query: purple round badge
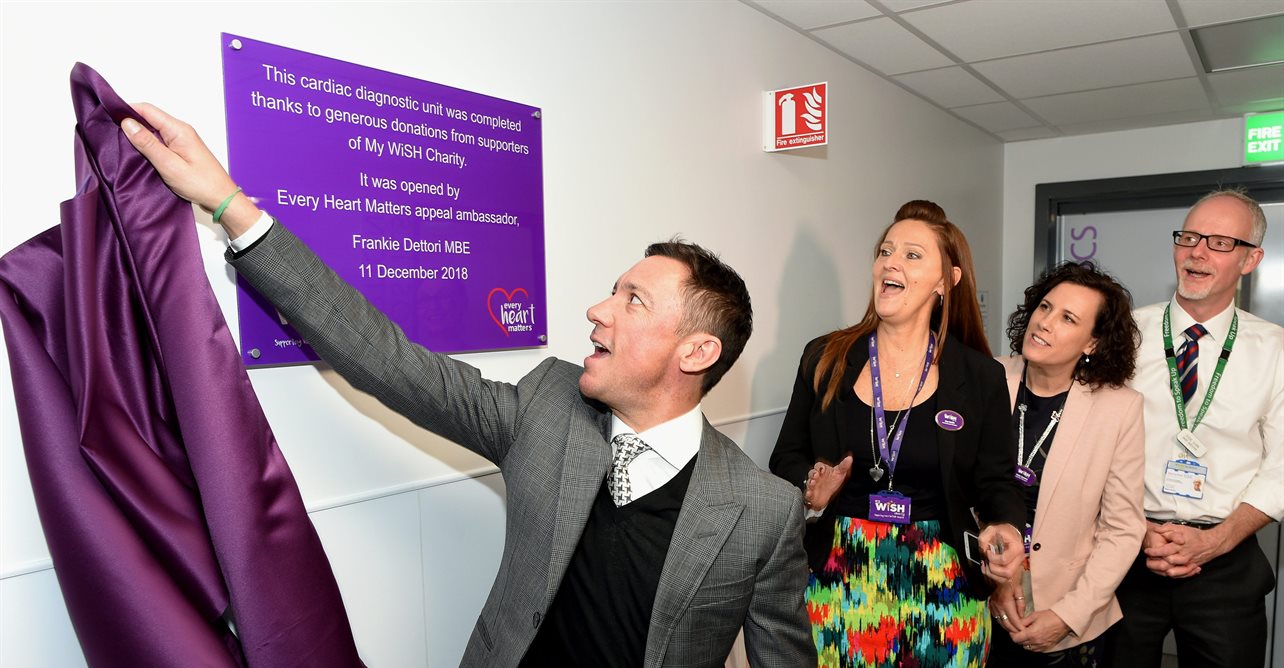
949,420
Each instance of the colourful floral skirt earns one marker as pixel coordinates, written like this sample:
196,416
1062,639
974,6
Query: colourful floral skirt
893,595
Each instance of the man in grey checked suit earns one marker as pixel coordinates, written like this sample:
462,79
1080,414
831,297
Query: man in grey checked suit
707,544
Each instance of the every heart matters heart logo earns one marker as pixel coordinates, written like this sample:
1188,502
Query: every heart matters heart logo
511,312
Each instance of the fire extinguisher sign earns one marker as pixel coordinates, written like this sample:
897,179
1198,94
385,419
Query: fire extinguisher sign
796,117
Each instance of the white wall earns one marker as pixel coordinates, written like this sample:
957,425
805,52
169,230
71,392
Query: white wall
1189,147
651,127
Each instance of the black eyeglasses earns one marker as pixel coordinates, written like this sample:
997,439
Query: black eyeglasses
1216,242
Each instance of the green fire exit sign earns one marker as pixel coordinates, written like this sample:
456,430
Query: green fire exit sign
1262,137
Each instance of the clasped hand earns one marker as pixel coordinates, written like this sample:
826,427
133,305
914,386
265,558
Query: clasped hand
1179,551
1039,631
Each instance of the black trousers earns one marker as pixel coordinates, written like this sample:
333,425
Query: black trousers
1006,654
1218,617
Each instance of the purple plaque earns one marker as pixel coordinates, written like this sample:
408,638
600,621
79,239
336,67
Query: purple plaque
427,199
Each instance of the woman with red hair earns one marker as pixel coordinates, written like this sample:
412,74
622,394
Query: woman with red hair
897,433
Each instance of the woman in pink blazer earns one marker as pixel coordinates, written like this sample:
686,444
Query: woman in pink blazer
1079,440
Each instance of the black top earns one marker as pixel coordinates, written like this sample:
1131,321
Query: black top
1037,416
918,468
602,611
976,461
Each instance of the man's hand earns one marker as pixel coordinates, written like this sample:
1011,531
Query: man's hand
1002,565
1183,551
188,167
824,481
1043,630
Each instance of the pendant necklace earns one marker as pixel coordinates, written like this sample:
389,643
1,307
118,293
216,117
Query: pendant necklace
876,471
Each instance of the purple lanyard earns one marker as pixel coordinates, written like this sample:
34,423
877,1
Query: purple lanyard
889,454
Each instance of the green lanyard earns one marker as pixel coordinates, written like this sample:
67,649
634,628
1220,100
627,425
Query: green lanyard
1174,383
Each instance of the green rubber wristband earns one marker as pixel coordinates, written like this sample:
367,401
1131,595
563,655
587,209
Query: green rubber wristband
218,213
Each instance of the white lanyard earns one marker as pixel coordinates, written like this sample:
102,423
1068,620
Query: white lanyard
1052,424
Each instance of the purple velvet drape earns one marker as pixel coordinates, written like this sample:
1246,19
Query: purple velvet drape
160,488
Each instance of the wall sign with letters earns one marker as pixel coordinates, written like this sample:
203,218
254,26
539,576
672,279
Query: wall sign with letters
427,199
1264,138
795,117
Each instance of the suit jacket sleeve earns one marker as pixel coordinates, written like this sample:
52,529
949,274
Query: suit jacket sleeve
998,496
438,393
794,455
1120,526
777,630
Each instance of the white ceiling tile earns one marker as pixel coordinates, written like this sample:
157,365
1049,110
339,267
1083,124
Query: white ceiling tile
1087,67
906,5
950,87
884,46
1252,89
1112,125
808,14
1026,134
1148,99
998,116
982,29
1205,12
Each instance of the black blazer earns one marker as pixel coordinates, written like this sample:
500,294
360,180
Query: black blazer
977,461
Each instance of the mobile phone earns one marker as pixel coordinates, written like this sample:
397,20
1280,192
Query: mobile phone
972,547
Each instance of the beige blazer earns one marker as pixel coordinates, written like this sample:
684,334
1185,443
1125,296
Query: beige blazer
1089,524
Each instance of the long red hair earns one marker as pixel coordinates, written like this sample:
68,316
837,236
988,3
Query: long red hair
958,301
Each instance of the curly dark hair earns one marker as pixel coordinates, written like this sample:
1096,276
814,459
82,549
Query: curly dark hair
1115,358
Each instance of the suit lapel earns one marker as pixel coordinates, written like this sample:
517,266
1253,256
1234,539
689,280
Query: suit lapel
1064,443
584,466
705,522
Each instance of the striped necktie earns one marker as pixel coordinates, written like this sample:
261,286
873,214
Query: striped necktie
1188,361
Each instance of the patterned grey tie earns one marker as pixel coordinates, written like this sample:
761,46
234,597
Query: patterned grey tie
627,448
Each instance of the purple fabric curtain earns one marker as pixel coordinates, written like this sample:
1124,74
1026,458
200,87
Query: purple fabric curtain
162,494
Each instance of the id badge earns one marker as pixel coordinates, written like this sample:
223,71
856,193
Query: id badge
1193,445
1026,476
889,506
1184,477
1027,537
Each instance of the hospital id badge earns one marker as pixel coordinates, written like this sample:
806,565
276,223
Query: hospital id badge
892,507
1183,477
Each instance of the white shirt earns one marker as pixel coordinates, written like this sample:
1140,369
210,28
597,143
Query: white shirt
673,444
1243,429
256,232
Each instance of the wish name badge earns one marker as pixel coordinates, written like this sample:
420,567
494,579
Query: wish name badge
892,507
949,420
1183,477
1026,476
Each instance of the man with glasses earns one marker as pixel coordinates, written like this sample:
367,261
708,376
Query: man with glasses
1213,380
